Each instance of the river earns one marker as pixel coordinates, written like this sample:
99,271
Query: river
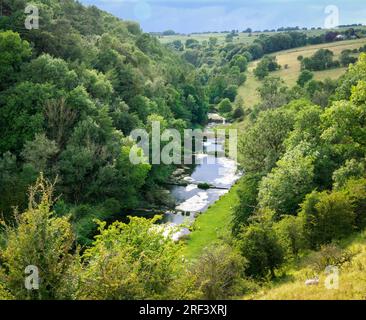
212,167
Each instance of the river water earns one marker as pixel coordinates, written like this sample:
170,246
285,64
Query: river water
213,168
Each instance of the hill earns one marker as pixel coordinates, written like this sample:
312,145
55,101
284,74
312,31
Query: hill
248,91
352,280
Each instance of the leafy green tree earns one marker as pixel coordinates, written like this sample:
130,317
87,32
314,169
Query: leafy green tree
355,189
241,62
286,186
14,52
247,204
22,115
273,93
260,245
344,130
262,145
321,60
46,69
289,230
304,77
326,217
38,152
129,261
238,112
265,66
225,106
352,169
230,92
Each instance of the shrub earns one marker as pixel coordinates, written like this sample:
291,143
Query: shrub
262,248
329,255
216,275
327,217
225,106
289,231
356,191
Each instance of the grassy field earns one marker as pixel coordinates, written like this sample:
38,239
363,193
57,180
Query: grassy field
290,75
352,280
211,225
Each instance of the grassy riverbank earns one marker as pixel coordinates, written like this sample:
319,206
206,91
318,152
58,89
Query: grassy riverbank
211,225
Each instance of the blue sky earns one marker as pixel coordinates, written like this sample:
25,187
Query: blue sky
188,16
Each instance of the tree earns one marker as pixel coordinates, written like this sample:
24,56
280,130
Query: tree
321,60
304,77
213,41
43,240
355,189
129,261
273,93
285,187
266,65
230,92
46,69
22,114
261,247
289,231
352,169
344,130
326,216
38,152
241,62
346,58
247,201
14,52
225,106
239,112
261,146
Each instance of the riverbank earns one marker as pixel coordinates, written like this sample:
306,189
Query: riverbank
213,224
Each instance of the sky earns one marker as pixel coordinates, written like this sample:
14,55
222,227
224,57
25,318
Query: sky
187,16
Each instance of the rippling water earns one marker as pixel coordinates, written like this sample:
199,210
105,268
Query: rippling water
217,171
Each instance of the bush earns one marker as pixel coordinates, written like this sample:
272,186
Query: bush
262,248
327,217
238,113
356,191
216,275
289,231
305,77
225,106
329,255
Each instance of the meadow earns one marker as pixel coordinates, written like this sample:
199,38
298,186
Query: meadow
248,92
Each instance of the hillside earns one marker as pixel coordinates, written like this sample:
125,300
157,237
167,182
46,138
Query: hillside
248,92
70,93
352,280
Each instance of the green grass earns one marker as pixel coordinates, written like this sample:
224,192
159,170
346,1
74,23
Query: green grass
352,280
248,92
211,225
